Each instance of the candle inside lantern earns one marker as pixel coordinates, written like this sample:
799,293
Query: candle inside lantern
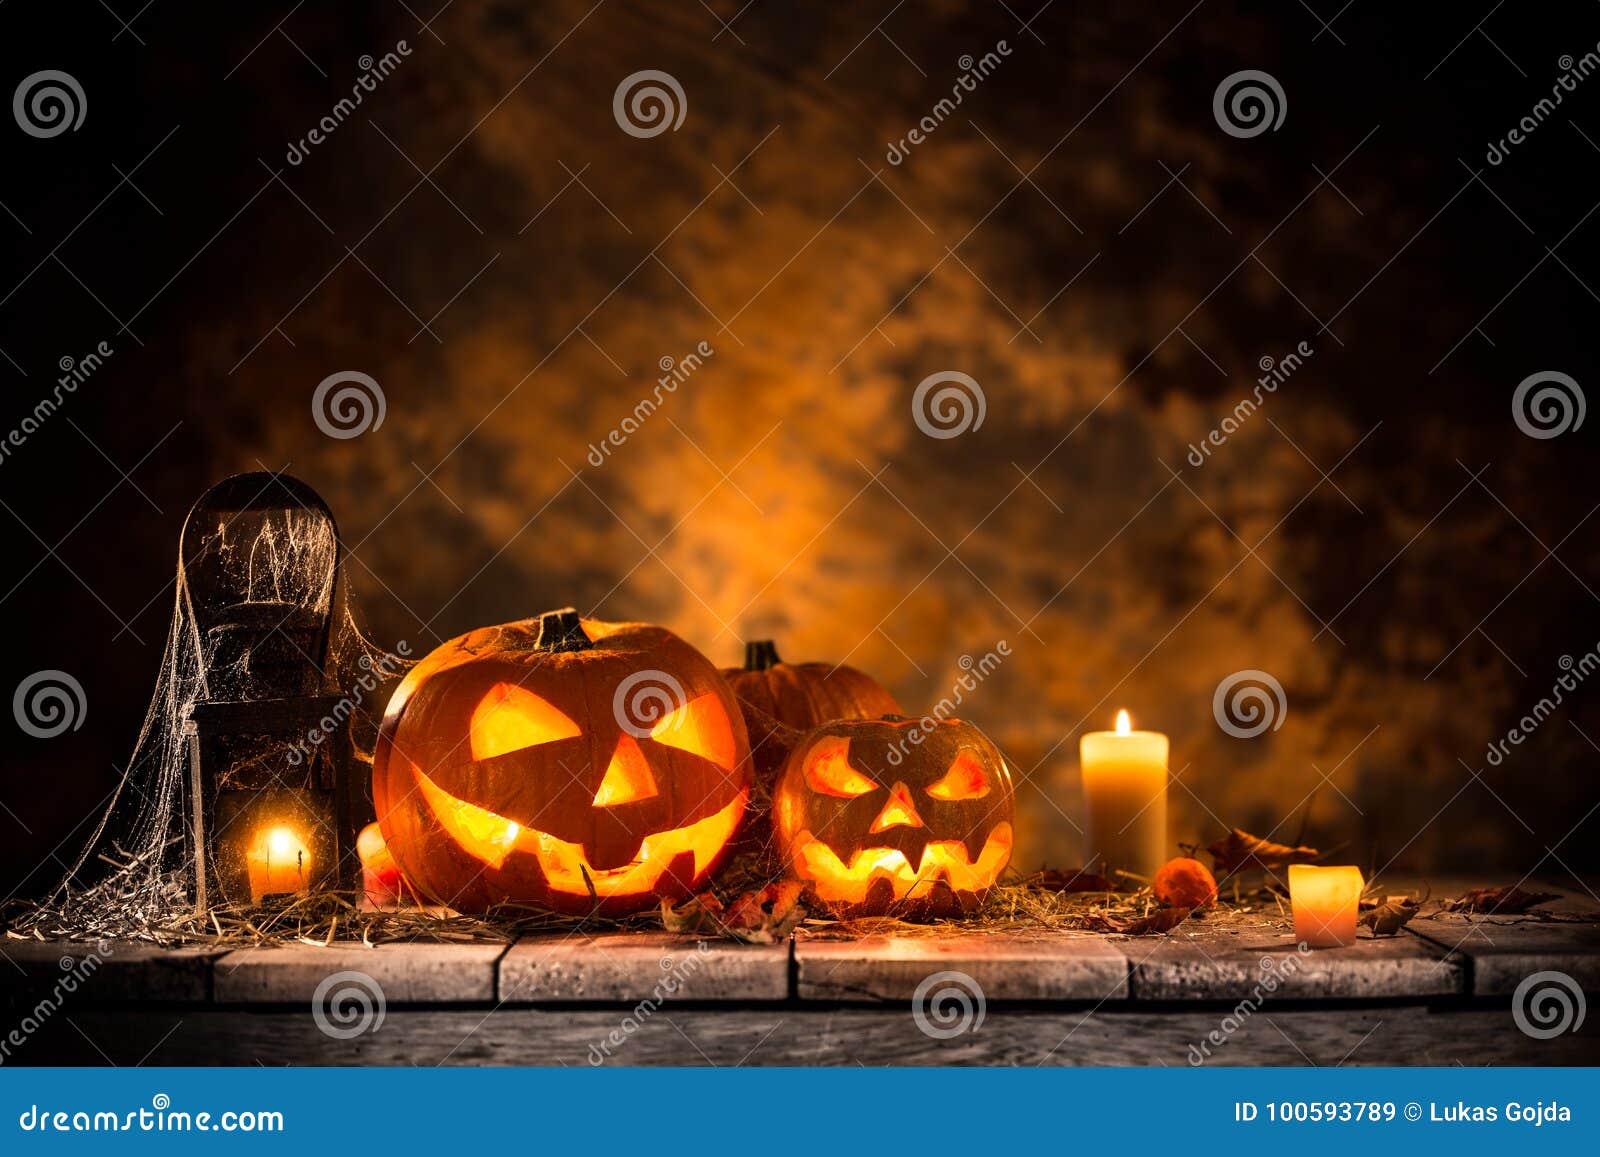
1125,798
278,862
380,875
1325,902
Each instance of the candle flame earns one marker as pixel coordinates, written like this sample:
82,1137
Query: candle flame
280,842
1124,724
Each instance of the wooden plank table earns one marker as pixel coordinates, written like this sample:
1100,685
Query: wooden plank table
1231,989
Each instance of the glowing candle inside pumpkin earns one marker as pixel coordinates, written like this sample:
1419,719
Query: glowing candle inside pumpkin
278,862
1325,902
380,875
1125,798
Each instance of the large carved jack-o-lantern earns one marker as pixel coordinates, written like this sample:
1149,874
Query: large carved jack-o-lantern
893,816
561,764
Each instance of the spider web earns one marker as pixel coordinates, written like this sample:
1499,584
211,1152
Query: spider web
272,574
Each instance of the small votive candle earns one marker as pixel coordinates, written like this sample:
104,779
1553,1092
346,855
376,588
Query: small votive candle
1125,798
380,875
1325,901
278,862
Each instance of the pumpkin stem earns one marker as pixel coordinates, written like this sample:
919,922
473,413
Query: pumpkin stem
760,655
562,631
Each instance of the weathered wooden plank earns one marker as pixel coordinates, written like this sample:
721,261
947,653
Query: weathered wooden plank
1230,958
1500,951
628,967
108,972
404,973
1219,958
888,968
1113,1034
1562,935
1503,951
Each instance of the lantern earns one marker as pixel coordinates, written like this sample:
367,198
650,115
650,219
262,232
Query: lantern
561,763
807,695
896,816
270,811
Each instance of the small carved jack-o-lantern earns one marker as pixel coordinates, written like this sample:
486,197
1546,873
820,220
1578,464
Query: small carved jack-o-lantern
896,816
564,764
807,695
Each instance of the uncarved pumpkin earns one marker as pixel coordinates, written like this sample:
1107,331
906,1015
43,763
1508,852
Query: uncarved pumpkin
896,816
561,763
807,695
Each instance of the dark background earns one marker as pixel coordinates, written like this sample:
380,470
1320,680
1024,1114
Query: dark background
1411,613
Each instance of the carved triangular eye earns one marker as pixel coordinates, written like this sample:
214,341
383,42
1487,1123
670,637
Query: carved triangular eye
700,727
964,780
828,771
510,718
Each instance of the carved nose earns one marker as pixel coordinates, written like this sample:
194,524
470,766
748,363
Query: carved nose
627,778
899,812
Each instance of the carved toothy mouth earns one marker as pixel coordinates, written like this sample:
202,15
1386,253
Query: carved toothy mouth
946,860
492,838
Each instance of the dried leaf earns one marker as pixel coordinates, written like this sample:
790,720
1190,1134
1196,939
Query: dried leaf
1161,920
766,916
1499,901
699,914
1386,916
1068,880
1240,850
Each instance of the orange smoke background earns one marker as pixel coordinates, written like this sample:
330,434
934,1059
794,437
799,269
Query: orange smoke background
1113,305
